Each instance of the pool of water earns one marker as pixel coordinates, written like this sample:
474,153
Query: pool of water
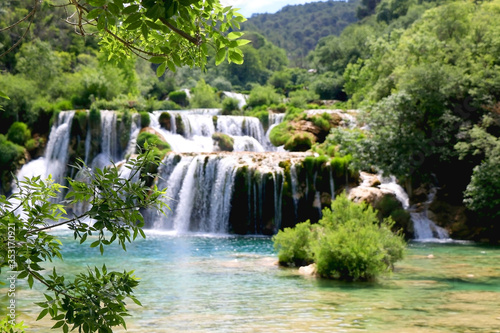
201,283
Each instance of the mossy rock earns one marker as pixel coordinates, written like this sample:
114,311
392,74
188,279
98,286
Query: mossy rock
179,124
224,141
301,141
150,136
165,121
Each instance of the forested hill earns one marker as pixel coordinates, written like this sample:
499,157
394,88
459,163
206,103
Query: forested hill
297,29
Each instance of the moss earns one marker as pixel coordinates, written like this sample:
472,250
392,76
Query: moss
152,139
280,134
179,124
301,141
224,141
215,120
145,119
124,125
165,121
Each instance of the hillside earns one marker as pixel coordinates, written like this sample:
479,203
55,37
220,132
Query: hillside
297,29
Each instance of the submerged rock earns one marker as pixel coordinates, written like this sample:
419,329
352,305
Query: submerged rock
309,270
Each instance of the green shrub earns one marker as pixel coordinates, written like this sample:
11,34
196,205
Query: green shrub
145,119
280,134
204,96
263,96
352,244
321,122
348,243
230,106
222,84
18,133
294,245
225,142
9,153
178,97
301,141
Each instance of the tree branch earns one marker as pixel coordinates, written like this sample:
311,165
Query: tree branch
195,41
22,37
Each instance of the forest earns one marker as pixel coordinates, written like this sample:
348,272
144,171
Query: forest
424,74
253,144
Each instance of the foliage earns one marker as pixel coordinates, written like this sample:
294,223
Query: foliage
300,98
348,243
204,96
178,97
294,244
230,106
19,133
10,156
261,95
95,300
224,141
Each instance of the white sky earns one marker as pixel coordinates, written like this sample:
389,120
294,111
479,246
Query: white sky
249,7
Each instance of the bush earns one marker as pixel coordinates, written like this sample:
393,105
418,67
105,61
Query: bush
263,96
18,133
178,97
145,119
348,243
280,134
9,153
294,245
222,84
230,106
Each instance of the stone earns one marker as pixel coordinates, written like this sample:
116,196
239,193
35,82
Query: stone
370,195
308,270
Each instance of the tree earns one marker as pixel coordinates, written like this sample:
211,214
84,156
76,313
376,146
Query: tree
95,300
170,34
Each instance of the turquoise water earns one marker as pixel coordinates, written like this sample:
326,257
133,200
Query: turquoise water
232,284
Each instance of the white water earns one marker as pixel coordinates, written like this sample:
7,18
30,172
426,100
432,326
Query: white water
242,99
56,154
424,228
390,185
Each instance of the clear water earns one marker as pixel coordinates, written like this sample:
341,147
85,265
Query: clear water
232,284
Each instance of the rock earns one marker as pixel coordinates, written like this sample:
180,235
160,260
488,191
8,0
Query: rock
371,195
308,270
430,256
369,179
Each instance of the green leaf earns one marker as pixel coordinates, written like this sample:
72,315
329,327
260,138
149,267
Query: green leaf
241,42
157,60
30,281
234,35
133,18
145,31
153,25
130,9
134,25
101,23
84,238
159,72
94,13
65,328
114,9
58,324
221,55
3,95
171,66
95,244
42,314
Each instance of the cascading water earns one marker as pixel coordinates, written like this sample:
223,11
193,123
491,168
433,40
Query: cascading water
424,228
55,158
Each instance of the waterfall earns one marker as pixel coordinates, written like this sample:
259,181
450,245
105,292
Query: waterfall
424,228
200,188
56,154
295,189
242,99
389,184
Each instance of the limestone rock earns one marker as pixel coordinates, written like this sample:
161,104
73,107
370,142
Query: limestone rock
308,270
370,195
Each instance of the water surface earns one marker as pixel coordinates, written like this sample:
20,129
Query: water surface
232,284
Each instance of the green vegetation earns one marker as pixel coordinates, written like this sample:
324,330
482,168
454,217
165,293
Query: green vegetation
145,119
19,133
204,96
261,96
224,141
94,300
230,106
152,139
297,29
179,97
348,243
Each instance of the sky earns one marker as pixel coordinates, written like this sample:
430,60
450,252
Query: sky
249,7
